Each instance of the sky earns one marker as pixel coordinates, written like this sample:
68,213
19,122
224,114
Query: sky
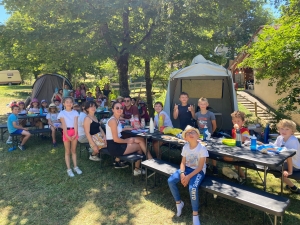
3,15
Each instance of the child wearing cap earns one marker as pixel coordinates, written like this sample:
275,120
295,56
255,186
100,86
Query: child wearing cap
53,122
14,127
191,173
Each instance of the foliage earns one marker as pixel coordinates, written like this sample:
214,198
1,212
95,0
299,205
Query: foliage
276,57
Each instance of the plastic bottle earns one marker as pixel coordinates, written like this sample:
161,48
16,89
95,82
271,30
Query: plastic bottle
132,121
41,111
151,126
204,133
238,138
266,134
143,123
253,143
160,122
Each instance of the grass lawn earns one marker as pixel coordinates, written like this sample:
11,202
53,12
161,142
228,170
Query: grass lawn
35,189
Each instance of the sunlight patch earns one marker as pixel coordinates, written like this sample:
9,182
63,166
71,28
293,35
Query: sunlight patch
89,213
5,213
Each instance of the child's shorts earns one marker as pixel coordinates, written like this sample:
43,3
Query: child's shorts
19,131
70,133
285,167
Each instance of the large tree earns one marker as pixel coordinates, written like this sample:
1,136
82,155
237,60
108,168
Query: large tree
276,56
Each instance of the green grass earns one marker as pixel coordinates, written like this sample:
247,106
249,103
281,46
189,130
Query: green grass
35,189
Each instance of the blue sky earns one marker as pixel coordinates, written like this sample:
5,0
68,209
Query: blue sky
3,15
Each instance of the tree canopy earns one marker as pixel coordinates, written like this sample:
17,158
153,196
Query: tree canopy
77,36
276,56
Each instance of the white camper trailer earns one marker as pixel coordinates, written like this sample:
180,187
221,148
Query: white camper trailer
10,77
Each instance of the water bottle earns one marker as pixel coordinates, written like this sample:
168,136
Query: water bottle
142,123
132,121
266,134
238,138
253,143
41,111
56,90
151,126
160,122
205,133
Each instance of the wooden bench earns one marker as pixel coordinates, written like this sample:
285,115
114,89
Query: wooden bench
33,131
268,203
3,130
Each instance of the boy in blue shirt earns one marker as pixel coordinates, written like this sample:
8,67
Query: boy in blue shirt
14,127
191,173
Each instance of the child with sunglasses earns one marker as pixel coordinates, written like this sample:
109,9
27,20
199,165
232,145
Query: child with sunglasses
191,173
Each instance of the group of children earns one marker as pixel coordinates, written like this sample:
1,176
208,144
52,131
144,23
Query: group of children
65,119
193,164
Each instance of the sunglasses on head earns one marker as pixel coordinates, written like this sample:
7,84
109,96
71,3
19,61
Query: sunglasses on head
119,108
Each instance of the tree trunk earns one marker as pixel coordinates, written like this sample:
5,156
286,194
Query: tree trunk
69,75
122,64
149,88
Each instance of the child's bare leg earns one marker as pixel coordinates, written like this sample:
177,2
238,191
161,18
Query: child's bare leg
241,172
73,151
53,134
67,145
26,136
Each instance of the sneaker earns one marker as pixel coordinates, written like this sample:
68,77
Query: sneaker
21,147
54,145
119,165
215,170
296,190
94,158
70,173
137,172
77,170
9,140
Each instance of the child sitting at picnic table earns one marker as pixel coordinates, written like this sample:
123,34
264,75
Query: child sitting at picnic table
158,107
35,108
14,127
238,120
206,118
89,97
53,122
192,171
287,139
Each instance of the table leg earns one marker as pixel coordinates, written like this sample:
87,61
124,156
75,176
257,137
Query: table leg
281,179
265,178
2,133
146,148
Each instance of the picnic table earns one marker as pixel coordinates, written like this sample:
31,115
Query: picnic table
243,155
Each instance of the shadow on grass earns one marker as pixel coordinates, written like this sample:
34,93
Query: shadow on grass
18,94
35,189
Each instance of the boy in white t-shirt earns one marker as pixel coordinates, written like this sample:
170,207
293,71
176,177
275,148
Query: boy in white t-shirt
192,171
286,139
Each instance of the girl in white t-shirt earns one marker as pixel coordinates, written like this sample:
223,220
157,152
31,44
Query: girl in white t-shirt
69,118
53,122
191,173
